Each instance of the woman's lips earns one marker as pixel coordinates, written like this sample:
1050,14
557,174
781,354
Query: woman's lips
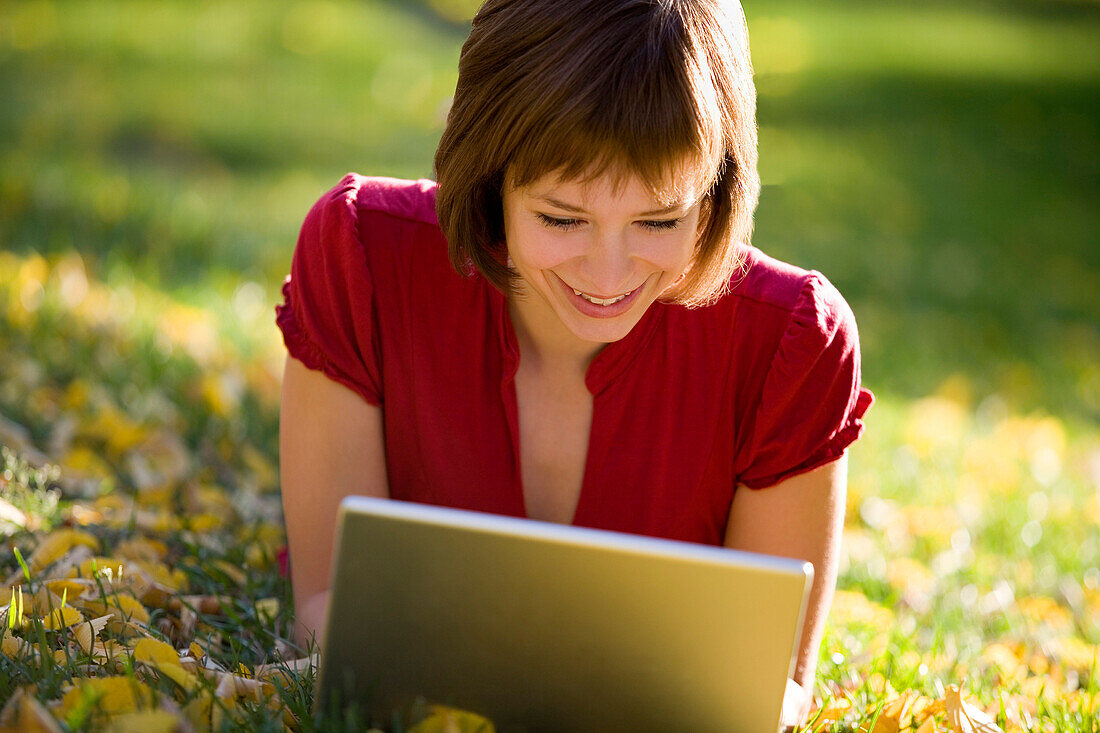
617,306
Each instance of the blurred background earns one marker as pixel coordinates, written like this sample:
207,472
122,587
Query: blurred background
937,161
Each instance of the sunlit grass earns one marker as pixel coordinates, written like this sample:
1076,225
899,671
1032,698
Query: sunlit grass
937,162
969,574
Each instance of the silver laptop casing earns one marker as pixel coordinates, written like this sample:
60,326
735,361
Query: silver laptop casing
546,627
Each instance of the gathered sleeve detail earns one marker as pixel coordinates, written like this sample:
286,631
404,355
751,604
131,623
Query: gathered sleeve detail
811,404
328,318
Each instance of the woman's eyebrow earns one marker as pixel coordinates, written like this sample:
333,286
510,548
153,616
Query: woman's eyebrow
559,204
673,207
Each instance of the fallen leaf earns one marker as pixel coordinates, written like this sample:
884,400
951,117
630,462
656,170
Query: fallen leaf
155,651
26,714
443,719
146,721
833,711
118,694
964,717
86,633
54,545
122,606
62,618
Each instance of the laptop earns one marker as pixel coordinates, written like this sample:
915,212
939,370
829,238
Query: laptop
545,627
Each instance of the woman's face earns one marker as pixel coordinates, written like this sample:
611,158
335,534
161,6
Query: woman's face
592,257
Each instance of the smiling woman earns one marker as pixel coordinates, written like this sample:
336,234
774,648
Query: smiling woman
591,258
571,326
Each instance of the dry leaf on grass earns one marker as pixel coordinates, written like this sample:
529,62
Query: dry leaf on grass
964,717
26,714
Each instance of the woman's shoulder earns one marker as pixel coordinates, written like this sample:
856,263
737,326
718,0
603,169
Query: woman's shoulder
357,196
773,315
385,225
803,303
780,285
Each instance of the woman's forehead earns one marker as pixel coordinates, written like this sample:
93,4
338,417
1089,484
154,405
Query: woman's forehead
683,182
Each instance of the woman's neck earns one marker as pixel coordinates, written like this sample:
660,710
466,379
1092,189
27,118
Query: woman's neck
544,341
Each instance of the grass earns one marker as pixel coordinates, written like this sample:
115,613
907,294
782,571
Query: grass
938,162
970,554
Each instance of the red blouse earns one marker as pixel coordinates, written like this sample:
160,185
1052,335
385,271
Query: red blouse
758,387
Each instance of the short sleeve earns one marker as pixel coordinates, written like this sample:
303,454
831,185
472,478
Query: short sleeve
328,318
811,404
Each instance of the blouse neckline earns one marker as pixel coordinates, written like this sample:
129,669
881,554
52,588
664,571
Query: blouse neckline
608,363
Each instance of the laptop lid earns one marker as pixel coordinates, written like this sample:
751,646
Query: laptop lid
539,626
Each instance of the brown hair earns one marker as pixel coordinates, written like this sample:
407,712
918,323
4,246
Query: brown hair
581,87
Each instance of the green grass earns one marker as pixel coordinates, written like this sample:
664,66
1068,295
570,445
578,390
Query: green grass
970,528
938,162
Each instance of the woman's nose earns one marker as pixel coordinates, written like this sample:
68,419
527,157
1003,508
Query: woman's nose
609,263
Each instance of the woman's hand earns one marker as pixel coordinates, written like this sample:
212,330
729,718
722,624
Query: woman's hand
796,706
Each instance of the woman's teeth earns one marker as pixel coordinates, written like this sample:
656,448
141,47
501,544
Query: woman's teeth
601,301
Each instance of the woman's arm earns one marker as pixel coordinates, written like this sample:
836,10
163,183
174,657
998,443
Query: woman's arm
802,518
331,445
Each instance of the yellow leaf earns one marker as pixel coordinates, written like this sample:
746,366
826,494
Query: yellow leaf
233,572
26,714
964,717
179,675
267,608
115,428
1045,613
205,522
1077,654
141,548
114,695
15,648
833,710
146,721
54,545
443,719
62,618
154,651
86,463
852,608
85,633
73,587
197,711
42,602
76,396
1005,659
928,726
258,466
122,606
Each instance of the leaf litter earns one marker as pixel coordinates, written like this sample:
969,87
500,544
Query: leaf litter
139,499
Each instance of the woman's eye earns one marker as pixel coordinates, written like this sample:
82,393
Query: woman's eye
558,223
660,225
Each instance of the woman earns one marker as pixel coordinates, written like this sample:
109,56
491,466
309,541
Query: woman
571,326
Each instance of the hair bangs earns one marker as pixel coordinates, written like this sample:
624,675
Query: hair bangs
646,111
658,91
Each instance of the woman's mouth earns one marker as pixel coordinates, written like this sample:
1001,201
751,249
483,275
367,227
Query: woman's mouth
595,306
602,301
